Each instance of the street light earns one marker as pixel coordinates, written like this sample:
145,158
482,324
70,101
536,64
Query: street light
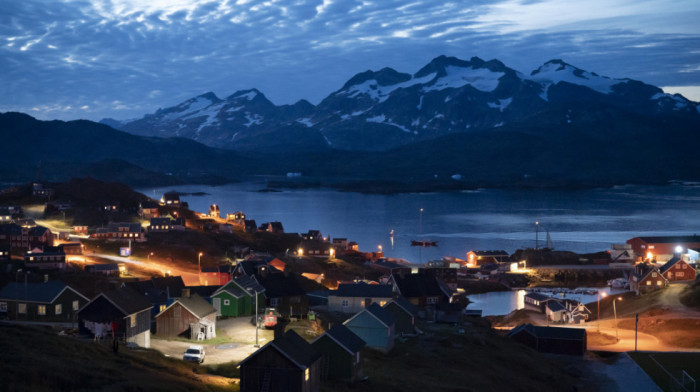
199,270
149,256
257,322
537,235
615,312
599,295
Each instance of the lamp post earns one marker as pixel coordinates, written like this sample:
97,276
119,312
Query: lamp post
199,264
615,312
257,322
604,295
537,235
149,256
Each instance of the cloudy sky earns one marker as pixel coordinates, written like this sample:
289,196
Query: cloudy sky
70,59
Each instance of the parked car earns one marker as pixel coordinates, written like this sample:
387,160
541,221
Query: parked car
194,354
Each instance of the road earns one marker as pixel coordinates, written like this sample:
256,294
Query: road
189,276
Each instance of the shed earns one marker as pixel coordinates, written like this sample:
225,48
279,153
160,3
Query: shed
375,326
287,363
353,297
554,340
341,350
192,316
125,311
237,297
404,313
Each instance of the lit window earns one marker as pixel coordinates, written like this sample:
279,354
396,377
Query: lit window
162,308
679,274
382,303
658,282
41,310
648,283
651,246
59,309
227,302
306,374
133,320
76,305
653,274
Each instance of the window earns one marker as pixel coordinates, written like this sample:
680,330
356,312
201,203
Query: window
227,302
306,374
382,303
162,307
653,274
651,246
648,283
41,310
659,283
59,309
3,306
345,303
22,308
76,305
684,265
133,320
679,274
432,300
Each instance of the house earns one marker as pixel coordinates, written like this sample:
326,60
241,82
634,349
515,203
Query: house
420,289
257,265
313,235
662,248
80,229
171,198
215,276
677,269
121,231
191,316
52,257
341,350
236,216
553,340
111,269
5,252
375,326
287,363
214,211
28,236
555,311
123,311
250,226
160,225
576,312
160,291
446,274
149,209
272,227
340,244
5,215
537,301
315,249
389,268
238,297
646,277
49,301
39,190
481,257
353,297
404,313
71,248
283,292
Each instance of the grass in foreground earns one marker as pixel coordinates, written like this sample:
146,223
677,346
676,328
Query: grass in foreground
673,363
37,359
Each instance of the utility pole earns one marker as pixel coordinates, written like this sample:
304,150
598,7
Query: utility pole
636,321
537,235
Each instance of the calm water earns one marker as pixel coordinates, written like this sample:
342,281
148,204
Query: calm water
580,221
503,302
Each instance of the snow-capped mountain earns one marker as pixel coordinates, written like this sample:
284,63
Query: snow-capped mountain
380,110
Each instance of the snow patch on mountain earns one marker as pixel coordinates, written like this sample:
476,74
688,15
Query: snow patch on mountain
254,119
501,104
379,93
305,121
420,103
381,119
482,79
249,95
376,119
187,108
234,109
326,137
554,72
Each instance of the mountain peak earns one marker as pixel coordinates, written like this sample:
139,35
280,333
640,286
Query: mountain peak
384,77
249,94
210,96
438,65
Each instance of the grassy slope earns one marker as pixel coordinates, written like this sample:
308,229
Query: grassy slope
690,297
36,359
672,362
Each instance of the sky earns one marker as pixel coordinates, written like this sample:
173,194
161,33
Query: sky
83,59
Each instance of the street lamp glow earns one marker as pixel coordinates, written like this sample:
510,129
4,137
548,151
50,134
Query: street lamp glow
679,249
379,247
300,252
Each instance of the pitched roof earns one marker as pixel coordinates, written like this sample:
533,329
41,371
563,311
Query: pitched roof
674,260
418,285
538,296
404,304
169,284
347,339
278,284
560,333
501,253
293,347
363,290
555,306
232,288
127,300
203,291
249,283
197,305
35,292
380,313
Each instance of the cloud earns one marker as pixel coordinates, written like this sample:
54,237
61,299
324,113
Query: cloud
63,55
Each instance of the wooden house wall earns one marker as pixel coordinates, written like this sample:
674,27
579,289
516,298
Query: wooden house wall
337,363
101,311
291,306
284,375
373,332
355,304
688,272
65,299
174,321
404,322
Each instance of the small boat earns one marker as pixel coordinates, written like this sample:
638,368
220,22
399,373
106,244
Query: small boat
424,243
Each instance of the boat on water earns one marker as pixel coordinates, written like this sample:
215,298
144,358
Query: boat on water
424,243
619,283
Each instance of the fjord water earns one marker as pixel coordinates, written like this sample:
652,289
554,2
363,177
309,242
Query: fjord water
580,221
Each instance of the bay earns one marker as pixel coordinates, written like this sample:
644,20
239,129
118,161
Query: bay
580,221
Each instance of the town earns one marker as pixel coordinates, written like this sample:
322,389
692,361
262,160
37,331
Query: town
226,303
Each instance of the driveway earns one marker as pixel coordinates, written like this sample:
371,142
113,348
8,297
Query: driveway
239,342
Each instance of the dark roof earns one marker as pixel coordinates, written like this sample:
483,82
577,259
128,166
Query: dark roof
250,266
249,283
555,306
346,338
149,204
38,231
404,304
538,296
296,349
418,285
197,305
34,292
203,291
172,285
279,284
363,290
670,239
160,221
669,264
389,265
501,253
128,300
234,289
559,333
381,313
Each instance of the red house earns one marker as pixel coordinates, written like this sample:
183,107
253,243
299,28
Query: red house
662,248
646,277
677,269
215,276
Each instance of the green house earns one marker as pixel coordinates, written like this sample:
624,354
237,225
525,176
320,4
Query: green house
237,297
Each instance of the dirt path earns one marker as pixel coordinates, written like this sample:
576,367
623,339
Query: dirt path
670,299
